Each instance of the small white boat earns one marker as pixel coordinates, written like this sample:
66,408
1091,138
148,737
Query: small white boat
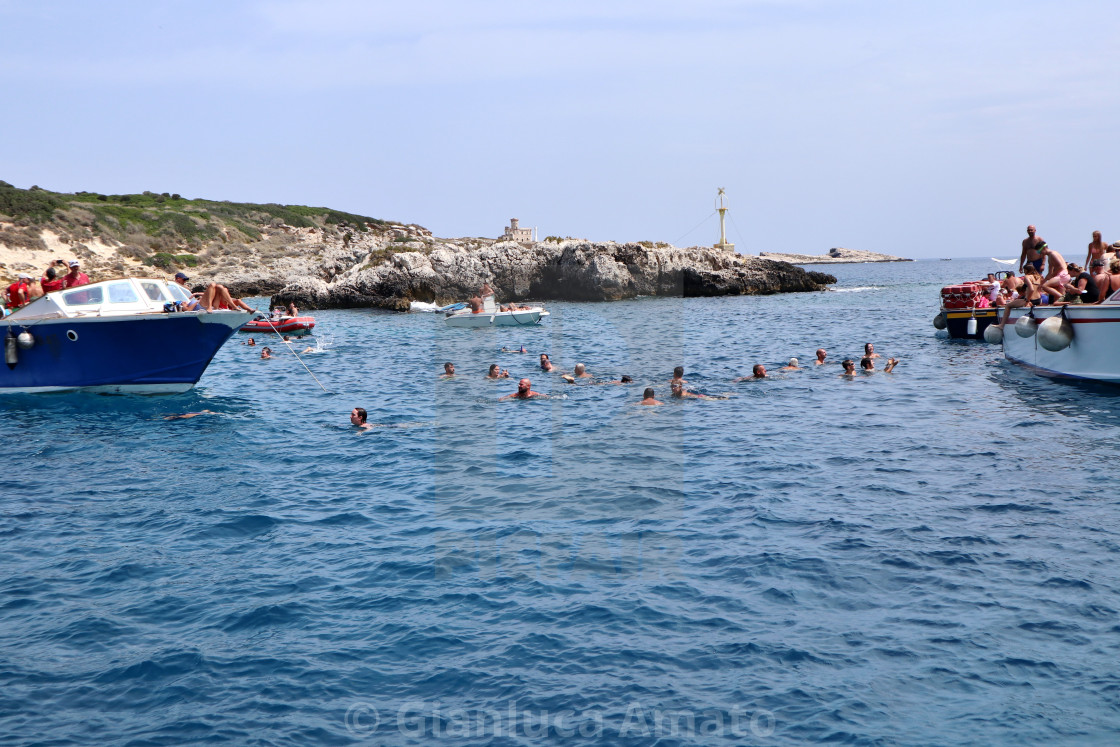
1080,341
491,316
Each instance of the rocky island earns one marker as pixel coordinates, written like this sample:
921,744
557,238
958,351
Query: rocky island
323,258
834,256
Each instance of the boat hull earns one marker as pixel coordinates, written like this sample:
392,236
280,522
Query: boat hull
496,319
150,354
956,321
1094,353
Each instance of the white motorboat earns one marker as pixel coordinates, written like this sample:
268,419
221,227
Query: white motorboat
1080,341
460,315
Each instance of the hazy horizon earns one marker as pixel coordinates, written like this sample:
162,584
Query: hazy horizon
922,130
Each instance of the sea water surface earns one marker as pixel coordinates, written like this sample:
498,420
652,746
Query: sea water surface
924,557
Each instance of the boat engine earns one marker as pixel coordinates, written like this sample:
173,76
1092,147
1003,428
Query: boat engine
1055,333
993,334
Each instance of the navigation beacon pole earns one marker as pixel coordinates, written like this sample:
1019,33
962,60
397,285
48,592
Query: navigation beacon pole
722,208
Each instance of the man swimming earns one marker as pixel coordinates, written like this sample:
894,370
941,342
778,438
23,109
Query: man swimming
679,392
448,370
648,398
579,373
849,368
792,366
524,391
821,355
758,372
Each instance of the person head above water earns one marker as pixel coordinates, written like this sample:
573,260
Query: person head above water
793,363
849,365
627,380
524,385
868,349
493,369
449,368
580,369
676,388
759,371
358,416
866,364
821,354
678,372
648,394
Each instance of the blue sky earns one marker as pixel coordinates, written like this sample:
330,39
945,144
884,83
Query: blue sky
925,129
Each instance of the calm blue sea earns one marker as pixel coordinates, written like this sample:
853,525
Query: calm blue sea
928,557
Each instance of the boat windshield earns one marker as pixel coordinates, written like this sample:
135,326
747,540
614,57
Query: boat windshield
84,296
179,292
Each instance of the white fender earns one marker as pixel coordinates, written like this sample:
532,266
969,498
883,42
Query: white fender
993,334
1056,333
1025,326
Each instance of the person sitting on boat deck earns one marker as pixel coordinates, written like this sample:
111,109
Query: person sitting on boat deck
1095,259
497,373
1082,289
266,352
758,372
546,364
1113,284
1030,254
849,368
448,370
792,366
1028,295
19,292
1057,274
1100,277
511,306
215,296
358,418
75,277
869,351
821,355
648,398
524,391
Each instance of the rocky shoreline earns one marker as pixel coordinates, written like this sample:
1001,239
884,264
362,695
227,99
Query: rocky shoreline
569,271
834,256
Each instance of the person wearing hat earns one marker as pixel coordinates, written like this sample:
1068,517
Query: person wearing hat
76,277
50,281
215,296
19,292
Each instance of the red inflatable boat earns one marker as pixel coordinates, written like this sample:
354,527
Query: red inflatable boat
285,325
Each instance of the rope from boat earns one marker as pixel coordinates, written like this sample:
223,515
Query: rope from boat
293,350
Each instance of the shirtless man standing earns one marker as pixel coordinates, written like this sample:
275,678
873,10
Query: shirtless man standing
1030,254
1095,261
1057,276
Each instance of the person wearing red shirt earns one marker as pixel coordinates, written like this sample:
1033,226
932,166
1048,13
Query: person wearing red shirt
18,293
51,281
76,276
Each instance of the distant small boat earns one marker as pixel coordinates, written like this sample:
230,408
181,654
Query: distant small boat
285,325
491,316
946,259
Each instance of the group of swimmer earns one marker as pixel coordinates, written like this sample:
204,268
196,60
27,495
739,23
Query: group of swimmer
1062,282
677,384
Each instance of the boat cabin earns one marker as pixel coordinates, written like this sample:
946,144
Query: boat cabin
121,297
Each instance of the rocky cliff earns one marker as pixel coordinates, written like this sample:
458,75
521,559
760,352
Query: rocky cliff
570,270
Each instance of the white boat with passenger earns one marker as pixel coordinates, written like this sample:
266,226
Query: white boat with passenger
1080,341
124,335
491,315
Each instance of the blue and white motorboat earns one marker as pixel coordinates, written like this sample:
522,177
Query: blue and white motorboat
460,315
124,335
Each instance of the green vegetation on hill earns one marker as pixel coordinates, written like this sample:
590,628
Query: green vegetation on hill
160,223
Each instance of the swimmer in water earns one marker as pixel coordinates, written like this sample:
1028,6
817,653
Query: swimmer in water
648,398
546,364
792,366
624,380
678,375
188,415
497,373
266,353
891,363
511,350
524,391
251,342
758,372
849,368
821,355
358,419
869,351
679,392
448,370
